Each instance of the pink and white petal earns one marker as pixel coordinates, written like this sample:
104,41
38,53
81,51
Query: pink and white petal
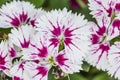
22,74
39,72
35,16
98,56
114,60
113,32
65,62
21,37
103,8
115,27
17,70
38,48
13,51
35,53
5,59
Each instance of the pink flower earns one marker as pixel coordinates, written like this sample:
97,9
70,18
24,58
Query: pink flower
100,46
65,28
17,13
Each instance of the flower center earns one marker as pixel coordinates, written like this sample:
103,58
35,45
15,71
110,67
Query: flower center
51,61
61,38
103,38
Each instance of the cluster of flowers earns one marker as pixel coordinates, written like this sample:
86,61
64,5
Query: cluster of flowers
41,40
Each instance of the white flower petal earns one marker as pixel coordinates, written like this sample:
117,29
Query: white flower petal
22,36
114,60
98,56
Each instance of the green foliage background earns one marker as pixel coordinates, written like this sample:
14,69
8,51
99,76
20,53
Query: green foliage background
89,73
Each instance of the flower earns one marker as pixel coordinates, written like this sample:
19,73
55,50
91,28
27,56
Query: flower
100,46
17,13
102,8
44,57
20,38
65,29
5,60
114,60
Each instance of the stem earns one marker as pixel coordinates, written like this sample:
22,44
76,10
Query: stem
81,3
68,77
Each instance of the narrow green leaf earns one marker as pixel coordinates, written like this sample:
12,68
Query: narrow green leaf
61,46
116,39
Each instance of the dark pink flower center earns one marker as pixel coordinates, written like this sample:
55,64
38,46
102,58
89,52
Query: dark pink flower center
61,36
99,36
22,19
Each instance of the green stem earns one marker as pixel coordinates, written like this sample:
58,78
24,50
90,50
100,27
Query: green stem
81,3
68,77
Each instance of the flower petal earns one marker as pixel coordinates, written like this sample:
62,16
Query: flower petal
114,60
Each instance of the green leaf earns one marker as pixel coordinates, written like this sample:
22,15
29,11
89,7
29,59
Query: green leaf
103,76
86,13
61,46
100,77
56,4
85,66
77,76
5,30
37,3
116,39
51,76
